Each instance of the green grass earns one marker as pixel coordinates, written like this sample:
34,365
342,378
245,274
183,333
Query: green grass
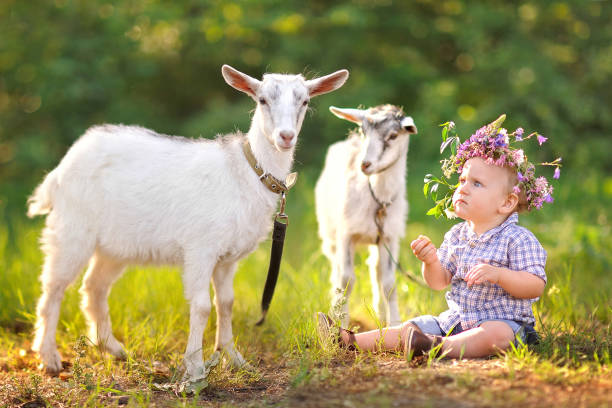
150,315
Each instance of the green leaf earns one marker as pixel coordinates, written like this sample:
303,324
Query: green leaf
434,178
449,141
432,211
455,145
434,191
496,124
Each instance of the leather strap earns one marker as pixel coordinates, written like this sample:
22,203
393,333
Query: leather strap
379,220
272,183
381,212
278,235
278,239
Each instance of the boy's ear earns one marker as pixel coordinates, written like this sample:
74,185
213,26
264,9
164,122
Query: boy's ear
510,203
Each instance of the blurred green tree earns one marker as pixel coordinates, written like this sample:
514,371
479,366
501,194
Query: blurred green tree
68,64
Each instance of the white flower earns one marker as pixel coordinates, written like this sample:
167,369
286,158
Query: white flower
519,156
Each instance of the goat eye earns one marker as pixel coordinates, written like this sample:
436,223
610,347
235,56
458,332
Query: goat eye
262,101
392,136
305,103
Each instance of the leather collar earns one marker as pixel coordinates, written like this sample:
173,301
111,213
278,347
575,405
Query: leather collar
381,204
272,183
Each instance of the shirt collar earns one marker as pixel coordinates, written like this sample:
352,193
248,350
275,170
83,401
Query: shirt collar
512,219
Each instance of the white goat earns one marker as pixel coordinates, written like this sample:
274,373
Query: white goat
125,194
361,174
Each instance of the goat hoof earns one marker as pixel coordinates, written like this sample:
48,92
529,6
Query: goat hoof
194,374
52,363
235,359
121,356
199,372
242,365
117,351
192,386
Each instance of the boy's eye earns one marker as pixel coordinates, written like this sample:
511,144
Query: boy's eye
477,184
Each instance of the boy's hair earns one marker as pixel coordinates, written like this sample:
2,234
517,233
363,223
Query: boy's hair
522,205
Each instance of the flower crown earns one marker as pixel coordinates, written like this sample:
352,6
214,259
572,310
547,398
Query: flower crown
493,144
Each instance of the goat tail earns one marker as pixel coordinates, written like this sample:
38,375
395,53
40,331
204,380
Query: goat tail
41,201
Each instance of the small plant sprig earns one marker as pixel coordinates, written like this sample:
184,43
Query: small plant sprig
432,185
493,144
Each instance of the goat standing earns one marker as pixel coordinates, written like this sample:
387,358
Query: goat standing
125,194
361,175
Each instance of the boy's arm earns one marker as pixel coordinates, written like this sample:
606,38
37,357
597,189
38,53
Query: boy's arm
520,284
435,275
525,277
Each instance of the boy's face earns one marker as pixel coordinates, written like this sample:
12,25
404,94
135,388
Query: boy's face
482,193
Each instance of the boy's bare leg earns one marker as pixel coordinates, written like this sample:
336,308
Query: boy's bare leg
392,338
482,341
485,340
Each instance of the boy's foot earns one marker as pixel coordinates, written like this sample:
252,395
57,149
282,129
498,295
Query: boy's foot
329,332
418,343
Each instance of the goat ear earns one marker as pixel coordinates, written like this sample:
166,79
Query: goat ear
408,125
240,81
352,115
327,83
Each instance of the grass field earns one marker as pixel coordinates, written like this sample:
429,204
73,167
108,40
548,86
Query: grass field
570,367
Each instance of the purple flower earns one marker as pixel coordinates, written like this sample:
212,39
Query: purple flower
549,198
557,173
500,140
516,189
541,139
519,134
520,176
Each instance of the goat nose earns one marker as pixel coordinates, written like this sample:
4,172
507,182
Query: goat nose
287,135
365,165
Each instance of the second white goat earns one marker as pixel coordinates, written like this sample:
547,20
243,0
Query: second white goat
125,194
363,175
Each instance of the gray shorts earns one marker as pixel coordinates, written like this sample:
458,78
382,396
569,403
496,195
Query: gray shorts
429,325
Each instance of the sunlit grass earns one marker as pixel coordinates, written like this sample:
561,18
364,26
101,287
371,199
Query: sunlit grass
150,315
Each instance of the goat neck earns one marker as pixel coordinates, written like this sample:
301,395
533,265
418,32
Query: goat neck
277,163
390,183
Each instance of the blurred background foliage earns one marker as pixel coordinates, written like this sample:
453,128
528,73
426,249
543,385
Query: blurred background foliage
68,64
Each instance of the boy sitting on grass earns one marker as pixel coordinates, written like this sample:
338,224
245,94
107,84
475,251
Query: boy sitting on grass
495,267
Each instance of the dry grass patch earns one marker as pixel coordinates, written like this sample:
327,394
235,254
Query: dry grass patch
346,379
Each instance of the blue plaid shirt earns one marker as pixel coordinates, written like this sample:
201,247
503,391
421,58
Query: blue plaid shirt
507,245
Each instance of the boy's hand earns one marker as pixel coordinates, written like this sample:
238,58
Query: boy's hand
424,249
482,273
